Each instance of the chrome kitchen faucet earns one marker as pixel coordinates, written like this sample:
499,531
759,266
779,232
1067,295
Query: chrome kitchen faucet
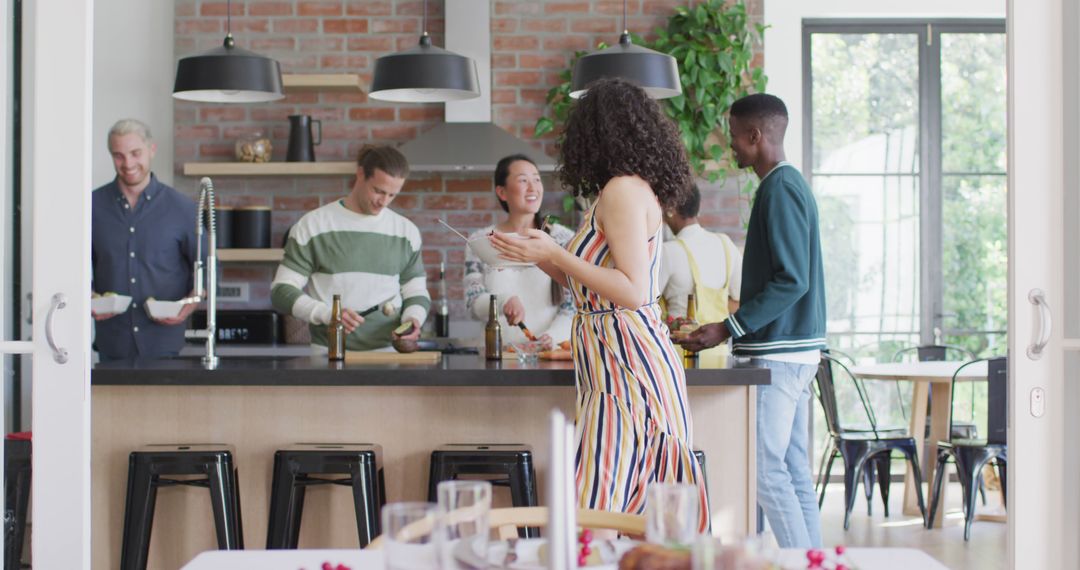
208,290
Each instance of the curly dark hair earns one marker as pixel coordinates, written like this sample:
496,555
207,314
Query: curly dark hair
615,129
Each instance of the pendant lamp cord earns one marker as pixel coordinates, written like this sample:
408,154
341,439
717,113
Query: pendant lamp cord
425,39
229,42
625,30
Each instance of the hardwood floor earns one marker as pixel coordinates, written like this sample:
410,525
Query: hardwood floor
985,551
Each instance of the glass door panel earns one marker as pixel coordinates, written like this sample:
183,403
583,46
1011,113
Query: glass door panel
865,173
865,103
973,189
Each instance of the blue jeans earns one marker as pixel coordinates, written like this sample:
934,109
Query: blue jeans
785,490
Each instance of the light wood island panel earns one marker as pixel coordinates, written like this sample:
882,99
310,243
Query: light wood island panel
408,421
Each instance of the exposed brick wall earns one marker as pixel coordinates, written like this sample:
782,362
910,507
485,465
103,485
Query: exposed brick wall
532,41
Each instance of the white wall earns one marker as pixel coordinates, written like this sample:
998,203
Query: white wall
133,77
783,41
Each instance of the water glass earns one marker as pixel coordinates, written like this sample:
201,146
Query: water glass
671,515
464,507
412,532
708,553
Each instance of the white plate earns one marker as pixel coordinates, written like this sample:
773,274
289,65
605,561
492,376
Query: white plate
489,255
110,304
163,309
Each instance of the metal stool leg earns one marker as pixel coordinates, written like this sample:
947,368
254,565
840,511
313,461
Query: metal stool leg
365,502
138,516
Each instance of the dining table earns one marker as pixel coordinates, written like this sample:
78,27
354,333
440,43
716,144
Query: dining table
788,558
931,381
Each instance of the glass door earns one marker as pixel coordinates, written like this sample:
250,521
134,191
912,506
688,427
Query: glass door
905,149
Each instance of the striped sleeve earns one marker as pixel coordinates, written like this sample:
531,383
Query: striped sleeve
287,290
287,295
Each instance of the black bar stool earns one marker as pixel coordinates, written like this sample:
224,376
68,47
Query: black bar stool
147,471
511,462
293,470
17,449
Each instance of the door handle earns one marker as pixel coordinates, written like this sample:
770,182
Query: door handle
60,355
1041,326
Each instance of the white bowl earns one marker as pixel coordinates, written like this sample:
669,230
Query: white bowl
487,253
163,309
110,304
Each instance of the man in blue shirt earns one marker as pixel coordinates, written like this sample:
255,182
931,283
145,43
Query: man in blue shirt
143,245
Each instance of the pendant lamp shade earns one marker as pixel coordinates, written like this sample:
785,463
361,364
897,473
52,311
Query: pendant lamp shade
657,73
424,74
228,74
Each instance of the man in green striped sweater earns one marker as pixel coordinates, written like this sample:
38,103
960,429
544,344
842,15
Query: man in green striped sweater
781,321
361,249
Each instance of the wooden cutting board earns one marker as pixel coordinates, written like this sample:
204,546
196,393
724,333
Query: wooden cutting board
419,357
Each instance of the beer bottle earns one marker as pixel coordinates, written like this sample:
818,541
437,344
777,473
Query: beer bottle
690,358
335,332
442,318
493,333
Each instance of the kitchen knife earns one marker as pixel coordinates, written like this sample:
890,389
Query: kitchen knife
374,308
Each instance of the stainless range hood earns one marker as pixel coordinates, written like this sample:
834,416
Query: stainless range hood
468,141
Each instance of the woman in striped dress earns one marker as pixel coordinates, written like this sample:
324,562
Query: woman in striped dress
633,424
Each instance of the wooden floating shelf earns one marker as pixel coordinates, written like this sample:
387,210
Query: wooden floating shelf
256,255
347,82
269,168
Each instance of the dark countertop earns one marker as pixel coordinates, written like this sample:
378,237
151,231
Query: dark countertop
455,370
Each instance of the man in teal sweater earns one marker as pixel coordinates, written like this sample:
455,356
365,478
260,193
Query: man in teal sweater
781,322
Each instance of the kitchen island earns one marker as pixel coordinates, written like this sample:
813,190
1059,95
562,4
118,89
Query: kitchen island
261,404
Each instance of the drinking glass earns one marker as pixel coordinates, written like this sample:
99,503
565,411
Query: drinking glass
412,532
671,515
749,553
464,507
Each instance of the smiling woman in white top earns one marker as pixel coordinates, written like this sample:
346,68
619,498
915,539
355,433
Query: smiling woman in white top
524,294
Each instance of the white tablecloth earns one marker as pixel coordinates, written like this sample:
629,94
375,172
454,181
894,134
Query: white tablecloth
863,558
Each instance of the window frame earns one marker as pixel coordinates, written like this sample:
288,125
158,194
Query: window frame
930,176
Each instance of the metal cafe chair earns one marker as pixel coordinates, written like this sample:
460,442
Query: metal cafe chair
971,455
862,448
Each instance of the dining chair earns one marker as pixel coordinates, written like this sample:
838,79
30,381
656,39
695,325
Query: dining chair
869,475
506,522
862,447
971,455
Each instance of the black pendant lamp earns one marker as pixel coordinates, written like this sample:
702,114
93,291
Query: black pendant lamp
657,73
424,74
228,74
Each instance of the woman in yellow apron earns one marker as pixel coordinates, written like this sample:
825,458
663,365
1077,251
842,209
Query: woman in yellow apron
716,295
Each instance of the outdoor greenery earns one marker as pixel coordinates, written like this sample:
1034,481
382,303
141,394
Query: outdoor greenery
713,42
865,162
974,207
866,167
